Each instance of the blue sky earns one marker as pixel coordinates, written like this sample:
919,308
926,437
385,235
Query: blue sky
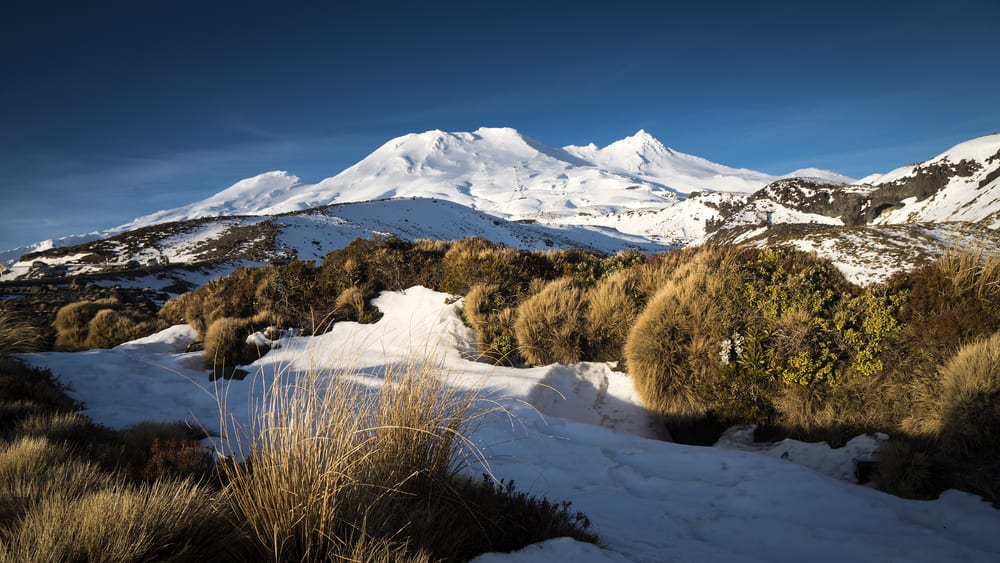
112,110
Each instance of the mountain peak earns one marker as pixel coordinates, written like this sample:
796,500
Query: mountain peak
641,138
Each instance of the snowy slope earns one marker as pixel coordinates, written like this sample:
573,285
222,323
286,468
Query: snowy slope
578,434
964,182
310,235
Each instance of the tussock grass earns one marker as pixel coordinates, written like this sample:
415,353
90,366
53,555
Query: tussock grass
334,469
330,463
613,304
104,323
32,468
226,342
164,521
551,325
18,335
673,348
56,426
968,415
489,310
110,328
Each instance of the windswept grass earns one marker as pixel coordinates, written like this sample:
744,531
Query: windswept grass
331,465
18,335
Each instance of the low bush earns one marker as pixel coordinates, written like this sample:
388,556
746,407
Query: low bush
174,458
490,312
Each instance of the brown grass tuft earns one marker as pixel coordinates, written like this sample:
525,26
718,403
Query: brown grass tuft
613,305
550,325
226,342
165,521
328,459
18,335
672,349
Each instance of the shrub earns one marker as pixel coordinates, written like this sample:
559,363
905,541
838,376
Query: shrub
178,459
234,295
164,521
949,302
550,326
22,383
489,311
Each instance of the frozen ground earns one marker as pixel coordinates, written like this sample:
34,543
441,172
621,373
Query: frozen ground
578,434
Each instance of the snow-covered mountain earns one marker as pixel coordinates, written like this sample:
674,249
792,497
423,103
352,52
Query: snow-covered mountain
502,185
496,170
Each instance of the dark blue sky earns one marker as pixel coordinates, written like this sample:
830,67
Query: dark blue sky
111,110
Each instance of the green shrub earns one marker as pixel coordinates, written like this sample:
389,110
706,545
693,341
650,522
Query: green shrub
490,312
551,325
